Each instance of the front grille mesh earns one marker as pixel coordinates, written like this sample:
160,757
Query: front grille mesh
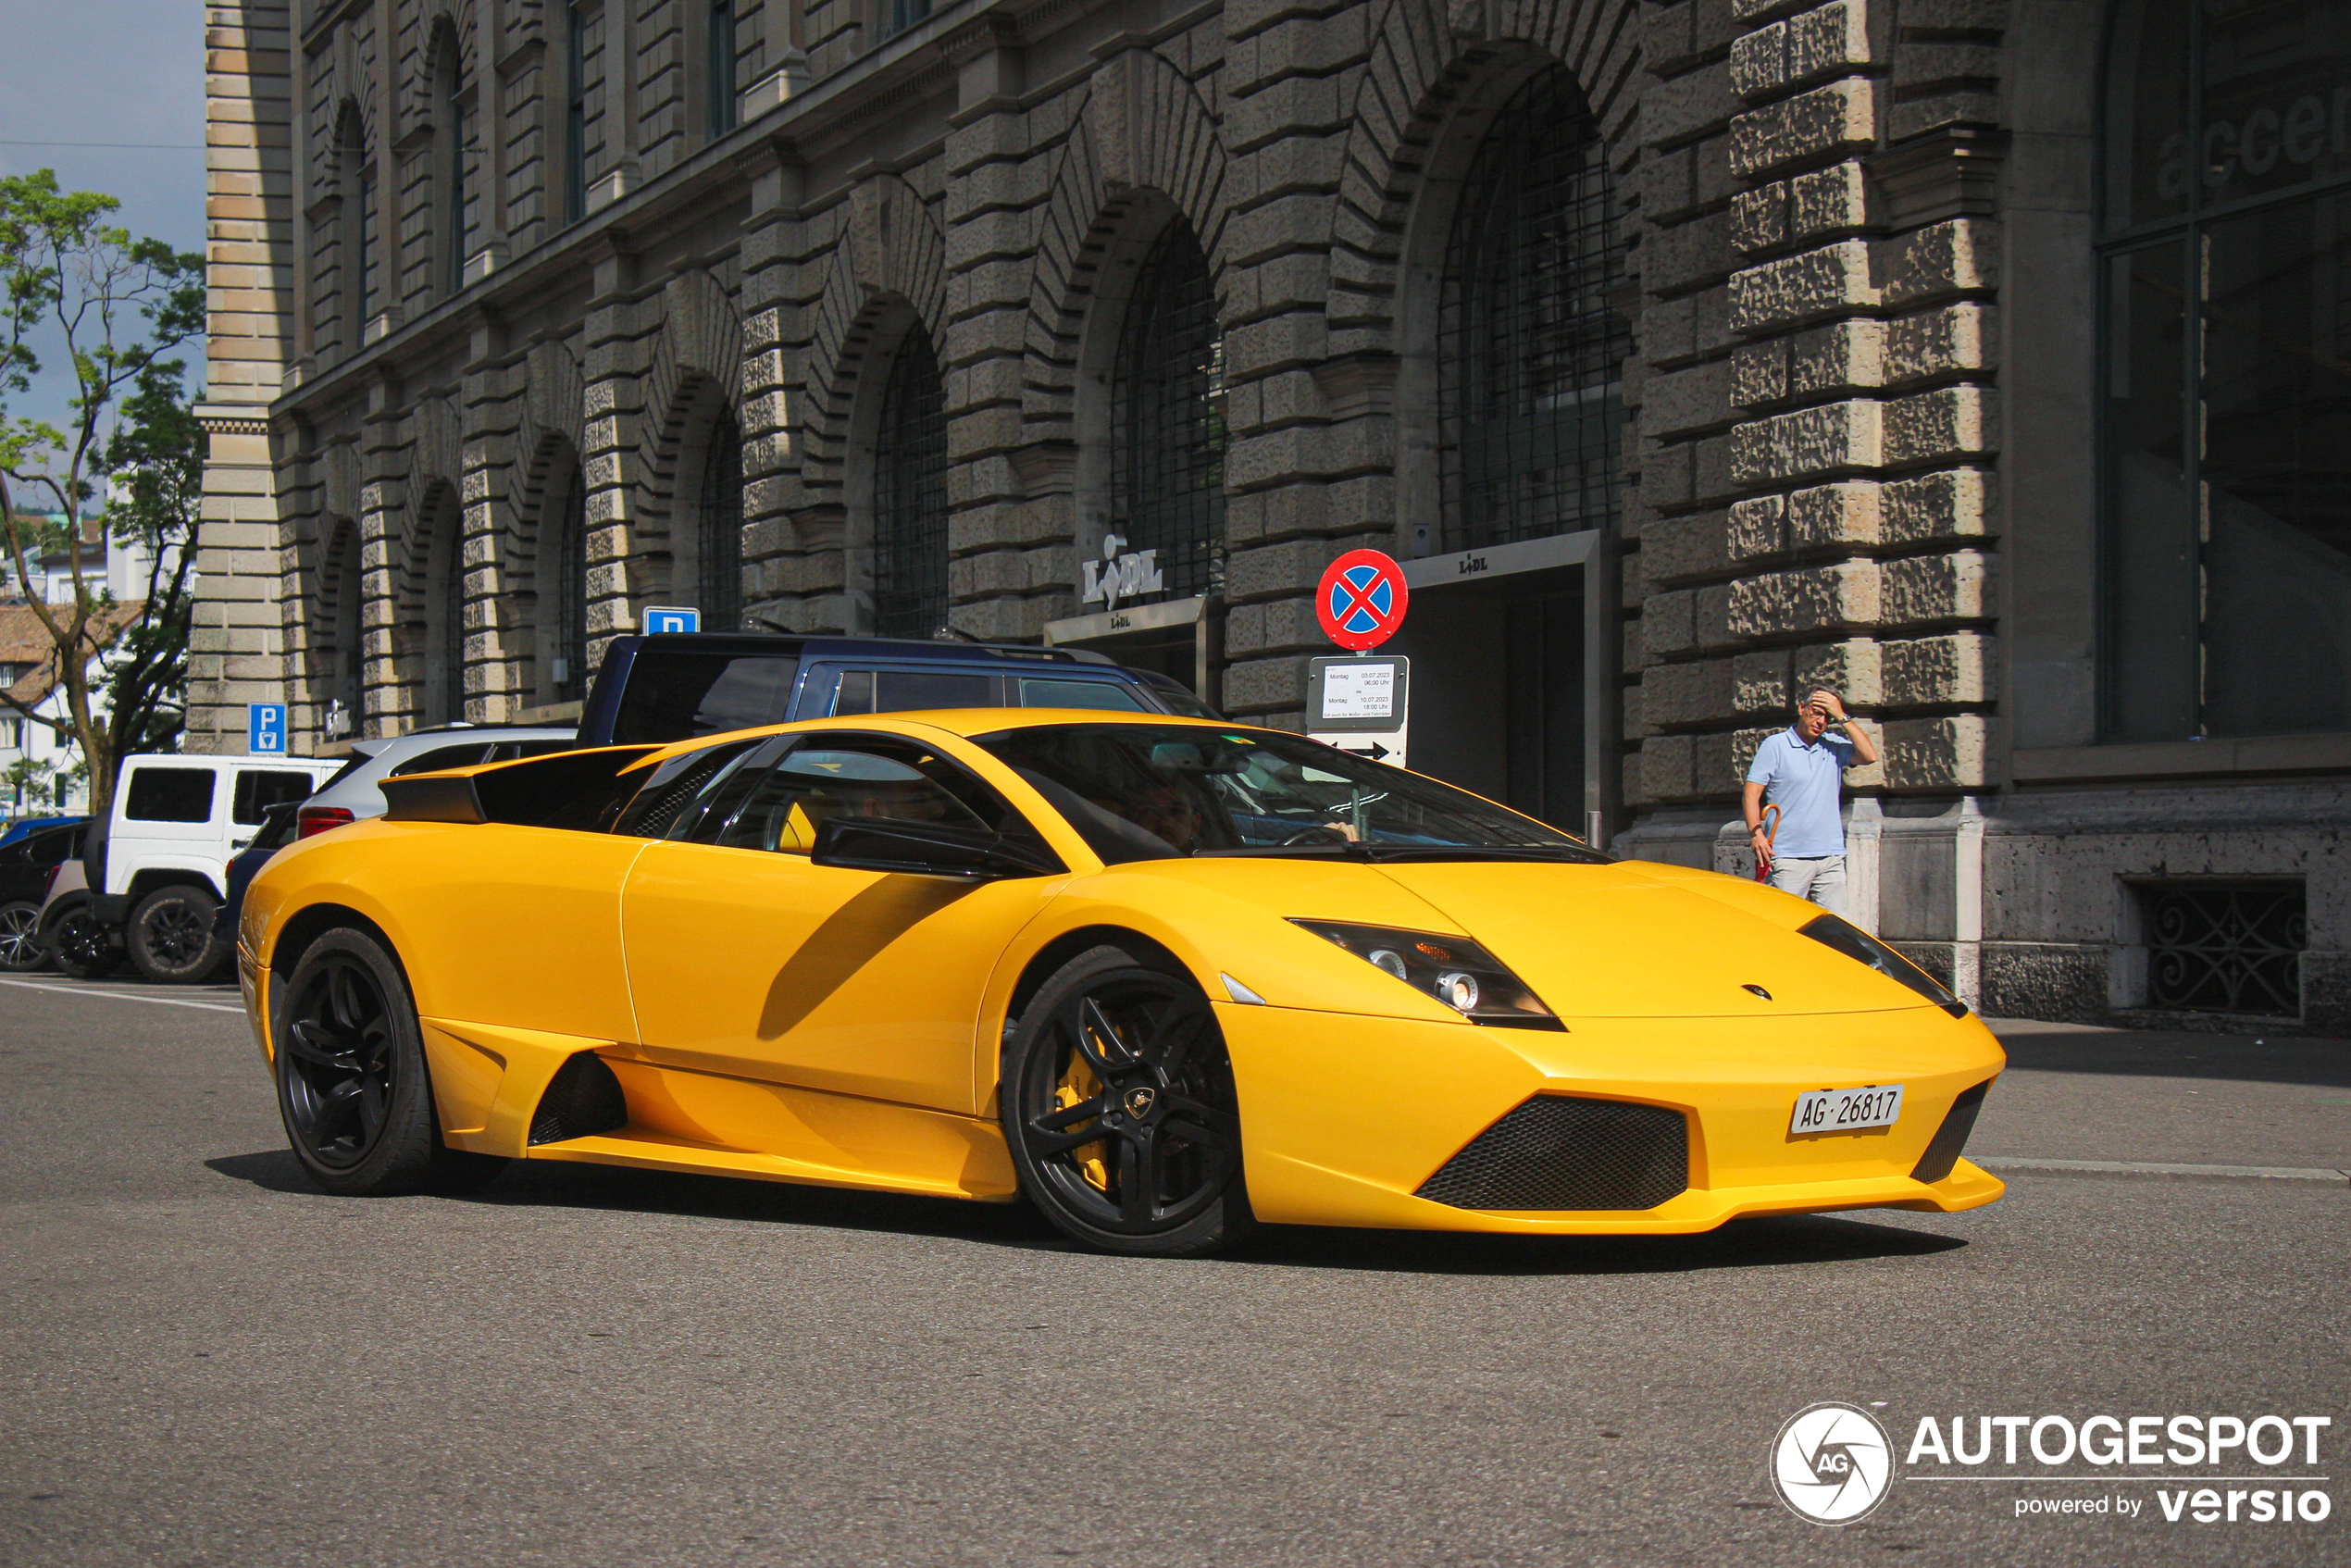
1556,1152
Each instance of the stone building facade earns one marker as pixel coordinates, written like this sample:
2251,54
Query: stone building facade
1690,355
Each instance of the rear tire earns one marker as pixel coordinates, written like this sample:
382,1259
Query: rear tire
1117,1101
171,938
353,1088
20,948
80,946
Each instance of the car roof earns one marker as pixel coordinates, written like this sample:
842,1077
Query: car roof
486,734
963,723
818,645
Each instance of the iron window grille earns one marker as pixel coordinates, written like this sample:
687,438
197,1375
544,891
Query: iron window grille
910,495
719,560
1531,343
370,265
575,115
453,625
900,15
1167,418
571,596
2224,369
2217,947
724,108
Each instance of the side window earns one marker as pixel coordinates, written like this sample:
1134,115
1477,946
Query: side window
677,789
51,849
441,757
170,795
258,788
907,690
515,751
780,806
1040,693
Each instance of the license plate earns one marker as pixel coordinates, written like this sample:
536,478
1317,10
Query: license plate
1844,1110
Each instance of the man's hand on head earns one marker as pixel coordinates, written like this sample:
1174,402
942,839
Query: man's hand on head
1830,705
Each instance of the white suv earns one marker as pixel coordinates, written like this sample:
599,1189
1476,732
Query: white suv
157,867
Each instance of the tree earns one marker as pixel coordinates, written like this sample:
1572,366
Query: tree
129,455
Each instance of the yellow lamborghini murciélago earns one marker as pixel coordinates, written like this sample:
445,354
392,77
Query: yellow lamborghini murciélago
1164,977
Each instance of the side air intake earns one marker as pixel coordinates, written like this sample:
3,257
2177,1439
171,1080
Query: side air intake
583,1099
1951,1136
1557,1151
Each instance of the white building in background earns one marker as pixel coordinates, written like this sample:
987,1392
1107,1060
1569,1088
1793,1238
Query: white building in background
28,675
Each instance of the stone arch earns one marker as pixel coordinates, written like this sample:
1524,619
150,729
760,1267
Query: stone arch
1142,148
693,383
334,648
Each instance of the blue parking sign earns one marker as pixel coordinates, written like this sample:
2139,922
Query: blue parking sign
266,729
671,617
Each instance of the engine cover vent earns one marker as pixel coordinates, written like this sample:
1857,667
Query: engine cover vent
583,1099
1557,1151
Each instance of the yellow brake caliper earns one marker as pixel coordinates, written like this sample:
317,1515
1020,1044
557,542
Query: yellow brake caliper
1077,1086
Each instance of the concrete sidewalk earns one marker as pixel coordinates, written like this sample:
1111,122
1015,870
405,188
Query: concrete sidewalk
2074,1092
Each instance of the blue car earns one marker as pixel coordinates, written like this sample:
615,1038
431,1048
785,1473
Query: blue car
25,824
276,830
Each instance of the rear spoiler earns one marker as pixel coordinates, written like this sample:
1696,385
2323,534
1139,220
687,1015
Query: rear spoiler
561,790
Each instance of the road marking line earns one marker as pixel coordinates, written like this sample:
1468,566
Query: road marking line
123,996
2157,1169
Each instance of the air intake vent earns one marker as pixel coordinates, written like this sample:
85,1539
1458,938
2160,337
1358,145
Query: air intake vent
1951,1136
582,1100
1560,1153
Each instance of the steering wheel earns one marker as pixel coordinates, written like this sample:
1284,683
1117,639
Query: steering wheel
1307,834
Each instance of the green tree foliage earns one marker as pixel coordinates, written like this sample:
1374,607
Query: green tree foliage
129,455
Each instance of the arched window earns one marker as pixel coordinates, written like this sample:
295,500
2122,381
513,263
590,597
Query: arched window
910,495
340,661
718,558
356,279
724,94
2225,370
564,598
455,212
575,147
1167,417
1531,339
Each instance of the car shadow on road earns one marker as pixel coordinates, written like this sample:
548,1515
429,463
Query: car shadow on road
2059,1048
1772,1241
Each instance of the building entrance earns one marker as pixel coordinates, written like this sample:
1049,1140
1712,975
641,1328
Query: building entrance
1179,638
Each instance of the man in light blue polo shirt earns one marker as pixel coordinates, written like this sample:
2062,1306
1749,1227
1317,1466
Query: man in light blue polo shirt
1801,771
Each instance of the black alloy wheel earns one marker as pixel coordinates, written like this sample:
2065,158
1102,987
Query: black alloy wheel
352,1086
20,946
171,936
1117,1100
80,945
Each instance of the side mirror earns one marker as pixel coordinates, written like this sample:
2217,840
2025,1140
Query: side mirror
924,849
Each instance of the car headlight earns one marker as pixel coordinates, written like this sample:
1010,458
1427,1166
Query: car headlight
1454,970
1858,944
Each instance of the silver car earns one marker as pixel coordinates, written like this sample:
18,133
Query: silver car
353,792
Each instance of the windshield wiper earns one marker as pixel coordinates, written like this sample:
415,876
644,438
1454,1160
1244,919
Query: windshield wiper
1575,854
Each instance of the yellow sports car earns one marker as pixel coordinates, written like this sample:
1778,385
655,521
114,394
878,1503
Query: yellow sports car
1164,977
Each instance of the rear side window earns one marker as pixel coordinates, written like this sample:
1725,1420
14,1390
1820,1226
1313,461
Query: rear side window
258,788
910,691
676,694
441,757
675,786
172,794
1038,692
54,847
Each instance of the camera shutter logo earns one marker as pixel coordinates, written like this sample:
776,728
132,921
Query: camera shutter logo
1833,1464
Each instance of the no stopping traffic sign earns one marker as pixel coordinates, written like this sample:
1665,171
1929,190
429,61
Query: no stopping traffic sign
1360,602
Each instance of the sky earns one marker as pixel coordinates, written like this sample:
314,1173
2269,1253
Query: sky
89,71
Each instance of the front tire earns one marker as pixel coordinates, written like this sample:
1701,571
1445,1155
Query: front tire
171,936
20,948
1117,1101
353,1086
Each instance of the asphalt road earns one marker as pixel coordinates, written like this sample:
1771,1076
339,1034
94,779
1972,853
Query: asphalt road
203,1361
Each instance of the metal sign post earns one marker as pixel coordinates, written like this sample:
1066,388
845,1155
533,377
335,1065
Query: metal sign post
1360,705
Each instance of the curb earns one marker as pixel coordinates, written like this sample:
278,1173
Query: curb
2160,1170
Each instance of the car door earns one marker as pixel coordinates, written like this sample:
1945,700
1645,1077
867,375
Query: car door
745,958
172,815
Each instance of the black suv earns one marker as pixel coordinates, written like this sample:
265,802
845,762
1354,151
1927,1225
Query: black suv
25,866
673,686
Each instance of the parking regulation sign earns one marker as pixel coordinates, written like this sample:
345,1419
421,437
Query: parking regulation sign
266,729
1360,602
672,618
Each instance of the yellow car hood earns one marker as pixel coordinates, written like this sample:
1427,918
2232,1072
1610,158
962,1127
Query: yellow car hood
1601,941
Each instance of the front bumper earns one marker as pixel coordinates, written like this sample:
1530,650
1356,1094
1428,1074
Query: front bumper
1344,1117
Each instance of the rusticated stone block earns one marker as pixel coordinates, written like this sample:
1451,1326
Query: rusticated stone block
1846,356
1949,422
1935,671
1668,624
1840,117
1832,514
1834,38
1682,106
1713,616
1778,604
1759,219
1716,767
1676,696
1677,401
1758,527
1759,62
1826,201
1955,504
1939,343
1853,669
1798,289
1680,548
1632,710
1677,256
1937,588
1759,682
1810,440
1665,766
1759,373
1937,753
1944,258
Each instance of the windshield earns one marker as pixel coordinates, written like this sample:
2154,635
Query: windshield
1140,791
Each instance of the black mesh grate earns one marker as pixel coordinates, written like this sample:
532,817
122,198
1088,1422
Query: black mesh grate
1167,413
721,537
910,495
1533,338
2222,948
1556,1152
582,1099
1943,1153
